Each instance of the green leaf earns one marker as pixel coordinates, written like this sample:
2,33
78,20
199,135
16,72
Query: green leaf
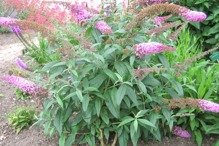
123,138
178,87
142,87
98,106
104,116
141,113
215,56
132,60
98,81
198,137
85,102
145,122
132,95
110,74
134,135
121,68
109,51
120,94
191,88
58,99
114,110
79,94
135,123
71,137
164,60
126,120
58,122
62,140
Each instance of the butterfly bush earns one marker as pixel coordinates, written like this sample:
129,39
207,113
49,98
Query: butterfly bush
143,49
178,131
23,84
103,27
20,63
209,106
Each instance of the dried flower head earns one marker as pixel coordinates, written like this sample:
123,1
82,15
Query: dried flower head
178,131
31,25
181,103
163,28
144,71
103,27
143,49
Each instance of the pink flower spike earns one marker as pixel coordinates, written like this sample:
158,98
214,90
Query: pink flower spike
20,63
194,16
178,131
103,27
23,84
143,49
209,106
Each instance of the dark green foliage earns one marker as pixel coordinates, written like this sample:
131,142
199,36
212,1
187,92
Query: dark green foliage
97,93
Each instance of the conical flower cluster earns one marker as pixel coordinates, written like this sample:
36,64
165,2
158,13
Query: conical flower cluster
103,27
23,84
143,49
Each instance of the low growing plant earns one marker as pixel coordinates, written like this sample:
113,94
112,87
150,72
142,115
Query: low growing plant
43,53
21,118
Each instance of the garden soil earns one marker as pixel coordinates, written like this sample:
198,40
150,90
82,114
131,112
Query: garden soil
10,49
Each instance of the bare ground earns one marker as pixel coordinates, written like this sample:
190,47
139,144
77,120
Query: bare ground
10,48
